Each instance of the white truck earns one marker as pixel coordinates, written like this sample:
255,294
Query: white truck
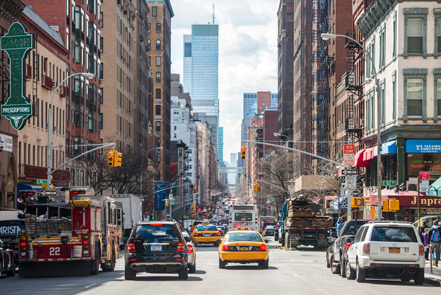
132,207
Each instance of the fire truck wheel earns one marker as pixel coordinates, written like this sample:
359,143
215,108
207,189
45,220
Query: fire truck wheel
110,264
95,263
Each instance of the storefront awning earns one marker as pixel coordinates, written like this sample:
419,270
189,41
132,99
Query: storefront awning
387,148
369,154
359,161
435,189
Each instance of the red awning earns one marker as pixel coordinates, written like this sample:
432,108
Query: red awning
369,154
359,161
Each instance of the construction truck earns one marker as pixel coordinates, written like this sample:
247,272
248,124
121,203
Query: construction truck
74,234
304,225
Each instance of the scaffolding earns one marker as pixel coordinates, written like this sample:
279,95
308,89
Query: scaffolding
319,65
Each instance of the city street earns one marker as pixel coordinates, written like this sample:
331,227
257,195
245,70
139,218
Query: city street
299,272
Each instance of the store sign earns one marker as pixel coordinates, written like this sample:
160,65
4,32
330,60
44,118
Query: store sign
423,146
17,42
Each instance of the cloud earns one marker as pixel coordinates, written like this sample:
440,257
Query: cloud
247,53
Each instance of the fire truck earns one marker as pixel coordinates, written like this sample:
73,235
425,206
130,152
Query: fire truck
74,234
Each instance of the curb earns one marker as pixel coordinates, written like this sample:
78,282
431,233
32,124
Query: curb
432,281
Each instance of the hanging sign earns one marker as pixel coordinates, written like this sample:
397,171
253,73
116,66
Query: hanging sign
17,42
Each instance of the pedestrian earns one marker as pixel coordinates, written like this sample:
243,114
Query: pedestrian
426,243
339,223
435,241
423,228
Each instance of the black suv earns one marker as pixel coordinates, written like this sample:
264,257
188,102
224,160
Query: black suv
336,255
156,247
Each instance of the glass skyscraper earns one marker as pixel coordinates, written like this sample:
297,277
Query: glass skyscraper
201,73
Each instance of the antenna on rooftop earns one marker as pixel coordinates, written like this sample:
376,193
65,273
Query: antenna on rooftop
214,16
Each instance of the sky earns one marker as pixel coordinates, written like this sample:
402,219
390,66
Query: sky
247,52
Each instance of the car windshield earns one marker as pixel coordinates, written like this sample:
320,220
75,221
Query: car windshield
393,234
238,237
353,228
206,228
156,233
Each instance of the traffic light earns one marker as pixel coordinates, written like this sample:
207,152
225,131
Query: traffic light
391,205
255,187
357,202
243,152
194,189
111,158
118,159
167,203
258,187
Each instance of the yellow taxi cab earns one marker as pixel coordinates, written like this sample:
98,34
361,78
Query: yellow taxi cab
243,246
206,234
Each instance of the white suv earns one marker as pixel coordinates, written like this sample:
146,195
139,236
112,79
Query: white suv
386,249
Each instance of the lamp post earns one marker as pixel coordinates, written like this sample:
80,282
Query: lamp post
325,37
49,127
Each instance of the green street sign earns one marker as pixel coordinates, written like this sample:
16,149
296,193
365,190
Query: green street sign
17,42
389,182
40,181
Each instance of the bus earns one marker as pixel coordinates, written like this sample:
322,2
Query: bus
243,216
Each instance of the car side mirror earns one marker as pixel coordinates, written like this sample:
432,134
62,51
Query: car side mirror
266,241
349,241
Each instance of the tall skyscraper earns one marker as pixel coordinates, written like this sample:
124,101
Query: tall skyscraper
201,73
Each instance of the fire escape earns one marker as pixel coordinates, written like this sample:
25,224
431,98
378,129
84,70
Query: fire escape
353,122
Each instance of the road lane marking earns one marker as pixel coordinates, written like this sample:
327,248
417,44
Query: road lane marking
90,285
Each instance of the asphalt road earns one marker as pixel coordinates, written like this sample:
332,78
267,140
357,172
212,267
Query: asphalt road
290,272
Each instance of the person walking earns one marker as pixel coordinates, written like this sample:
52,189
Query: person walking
435,241
426,243
423,228
339,223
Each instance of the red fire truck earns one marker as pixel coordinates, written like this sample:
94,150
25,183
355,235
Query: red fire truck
72,235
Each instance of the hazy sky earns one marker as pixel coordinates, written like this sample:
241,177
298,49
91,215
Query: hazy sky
247,52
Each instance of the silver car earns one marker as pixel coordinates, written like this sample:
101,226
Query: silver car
191,253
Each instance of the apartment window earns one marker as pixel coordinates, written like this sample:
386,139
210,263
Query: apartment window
394,95
414,93
158,93
373,125
394,28
158,127
382,47
437,84
154,11
158,110
158,28
158,77
158,44
437,13
158,61
415,20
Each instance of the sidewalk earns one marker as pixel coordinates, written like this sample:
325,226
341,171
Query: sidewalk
433,278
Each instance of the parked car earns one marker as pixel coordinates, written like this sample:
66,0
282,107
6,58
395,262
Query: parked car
269,230
191,253
386,249
156,247
7,261
276,231
336,253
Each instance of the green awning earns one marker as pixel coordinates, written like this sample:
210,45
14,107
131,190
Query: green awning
435,189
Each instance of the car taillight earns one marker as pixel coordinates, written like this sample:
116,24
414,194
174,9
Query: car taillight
347,246
367,248
277,227
262,247
225,248
421,250
190,249
22,244
196,234
218,234
180,248
131,248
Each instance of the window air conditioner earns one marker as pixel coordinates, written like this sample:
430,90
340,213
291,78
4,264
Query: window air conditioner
412,185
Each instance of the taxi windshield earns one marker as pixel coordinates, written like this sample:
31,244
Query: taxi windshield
206,228
239,237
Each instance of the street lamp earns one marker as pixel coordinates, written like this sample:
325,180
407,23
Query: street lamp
49,126
325,37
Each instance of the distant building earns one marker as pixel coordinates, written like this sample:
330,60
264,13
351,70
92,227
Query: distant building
220,144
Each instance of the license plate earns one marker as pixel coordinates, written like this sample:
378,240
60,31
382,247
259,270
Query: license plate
243,248
394,250
156,248
207,235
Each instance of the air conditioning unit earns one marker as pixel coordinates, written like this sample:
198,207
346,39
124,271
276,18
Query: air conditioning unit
361,123
412,185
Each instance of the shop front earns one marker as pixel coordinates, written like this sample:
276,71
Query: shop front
423,155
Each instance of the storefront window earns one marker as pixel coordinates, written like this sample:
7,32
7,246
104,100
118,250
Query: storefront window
424,162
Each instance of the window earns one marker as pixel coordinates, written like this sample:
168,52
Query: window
187,49
393,234
158,28
158,93
394,28
158,110
158,77
437,31
154,11
382,48
437,100
414,93
415,20
158,61
158,44
158,127
415,36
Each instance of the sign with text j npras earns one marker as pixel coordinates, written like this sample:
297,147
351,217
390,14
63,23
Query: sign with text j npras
17,42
